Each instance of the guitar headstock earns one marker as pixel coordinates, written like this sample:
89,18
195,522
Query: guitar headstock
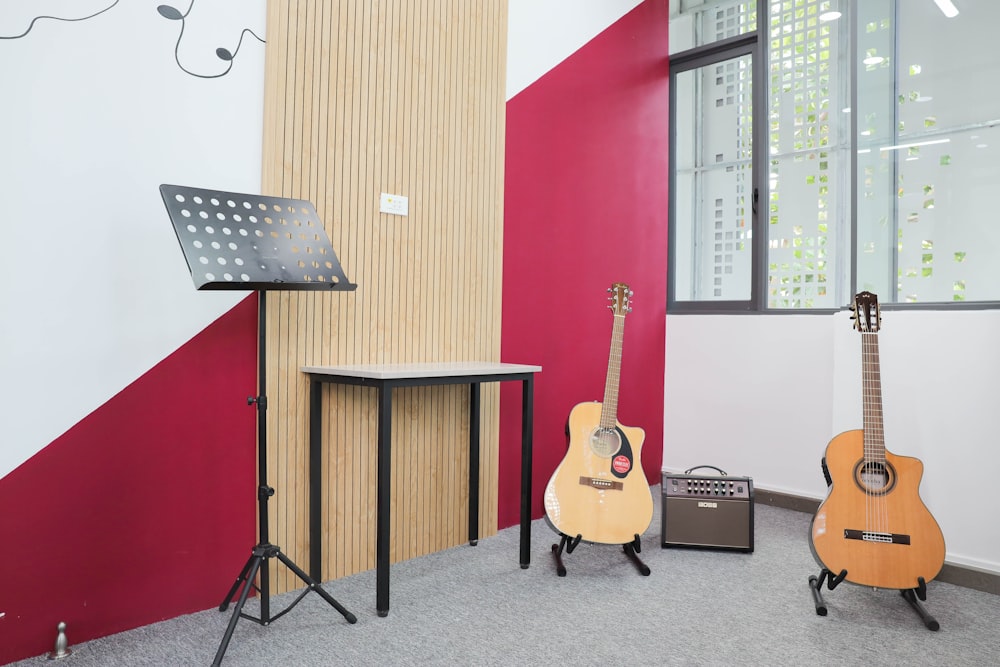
867,316
621,299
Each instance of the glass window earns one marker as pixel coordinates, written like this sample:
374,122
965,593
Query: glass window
928,152
809,156
713,114
874,151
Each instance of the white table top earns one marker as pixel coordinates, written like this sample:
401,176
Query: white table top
423,370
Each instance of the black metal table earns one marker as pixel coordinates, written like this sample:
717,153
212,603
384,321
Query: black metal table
384,378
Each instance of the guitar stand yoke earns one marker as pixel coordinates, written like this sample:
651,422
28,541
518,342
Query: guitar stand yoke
914,596
631,549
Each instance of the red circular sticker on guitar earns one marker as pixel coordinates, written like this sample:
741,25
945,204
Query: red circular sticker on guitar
621,464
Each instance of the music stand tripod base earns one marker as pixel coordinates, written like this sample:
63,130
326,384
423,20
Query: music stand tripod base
237,241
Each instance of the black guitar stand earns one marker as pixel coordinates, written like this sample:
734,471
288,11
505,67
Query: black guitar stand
567,543
235,241
914,596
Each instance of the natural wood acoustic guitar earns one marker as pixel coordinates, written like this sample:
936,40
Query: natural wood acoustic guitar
599,491
873,523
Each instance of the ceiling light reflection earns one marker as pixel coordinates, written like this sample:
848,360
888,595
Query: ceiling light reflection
947,8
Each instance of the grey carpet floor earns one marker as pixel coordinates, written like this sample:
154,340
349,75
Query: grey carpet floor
475,606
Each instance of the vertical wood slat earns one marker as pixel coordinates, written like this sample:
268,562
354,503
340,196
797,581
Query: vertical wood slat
405,97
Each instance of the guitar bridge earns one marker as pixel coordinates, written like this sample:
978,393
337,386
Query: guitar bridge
874,536
600,483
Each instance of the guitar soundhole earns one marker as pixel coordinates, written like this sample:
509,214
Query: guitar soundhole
604,442
874,478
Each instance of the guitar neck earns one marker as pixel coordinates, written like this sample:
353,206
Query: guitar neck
609,408
872,395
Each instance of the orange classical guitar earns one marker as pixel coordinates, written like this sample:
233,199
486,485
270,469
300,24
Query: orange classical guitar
873,524
599,491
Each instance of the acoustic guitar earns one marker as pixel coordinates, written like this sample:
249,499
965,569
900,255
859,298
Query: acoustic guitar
599,491
873,523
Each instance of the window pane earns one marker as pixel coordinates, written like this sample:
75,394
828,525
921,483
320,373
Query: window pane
929,152
696,23
713,182
808,198
876,221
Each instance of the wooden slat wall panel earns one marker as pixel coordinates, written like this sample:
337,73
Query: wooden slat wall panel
404,97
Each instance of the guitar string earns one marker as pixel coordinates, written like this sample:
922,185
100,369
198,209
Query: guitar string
867,432
869,435
876,518
883,497
609,411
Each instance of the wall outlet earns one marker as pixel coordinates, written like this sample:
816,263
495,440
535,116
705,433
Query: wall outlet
394,204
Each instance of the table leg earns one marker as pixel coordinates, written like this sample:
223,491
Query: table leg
382,503
527,419
315,481
474,429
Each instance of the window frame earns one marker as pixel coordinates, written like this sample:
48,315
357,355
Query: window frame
695,58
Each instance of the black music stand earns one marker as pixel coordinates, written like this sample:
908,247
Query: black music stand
234,241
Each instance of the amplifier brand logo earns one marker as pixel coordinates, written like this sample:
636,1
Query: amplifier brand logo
702,503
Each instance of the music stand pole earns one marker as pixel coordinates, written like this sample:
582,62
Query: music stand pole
258,561
262,243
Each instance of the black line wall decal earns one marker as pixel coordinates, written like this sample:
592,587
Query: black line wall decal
58,18
225,55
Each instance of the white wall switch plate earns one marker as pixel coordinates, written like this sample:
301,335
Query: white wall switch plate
394,204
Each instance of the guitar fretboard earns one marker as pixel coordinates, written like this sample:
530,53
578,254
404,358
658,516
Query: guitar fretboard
609,409
872,396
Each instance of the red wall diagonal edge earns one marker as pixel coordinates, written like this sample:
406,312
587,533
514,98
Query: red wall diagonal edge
585,206
144,510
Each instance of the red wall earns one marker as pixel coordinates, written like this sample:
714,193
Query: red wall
586,206
143,511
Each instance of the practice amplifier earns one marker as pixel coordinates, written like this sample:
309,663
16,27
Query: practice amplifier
707,511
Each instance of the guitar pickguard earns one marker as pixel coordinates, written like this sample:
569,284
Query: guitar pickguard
622,463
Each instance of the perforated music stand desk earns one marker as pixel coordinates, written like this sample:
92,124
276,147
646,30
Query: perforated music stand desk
235,241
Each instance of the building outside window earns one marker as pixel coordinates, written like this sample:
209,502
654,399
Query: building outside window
869,164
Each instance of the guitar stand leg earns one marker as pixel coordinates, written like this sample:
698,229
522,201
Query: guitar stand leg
631,549
914,596
568,543
816,585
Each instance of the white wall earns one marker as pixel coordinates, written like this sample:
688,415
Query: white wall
763,395
96,114
543,33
